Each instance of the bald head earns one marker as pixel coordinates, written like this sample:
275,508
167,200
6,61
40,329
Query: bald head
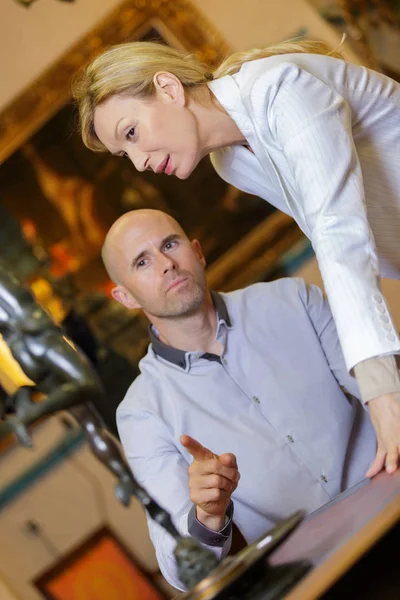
130,227
154,265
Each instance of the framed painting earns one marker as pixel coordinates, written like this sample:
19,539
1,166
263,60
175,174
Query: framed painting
101,568
65,197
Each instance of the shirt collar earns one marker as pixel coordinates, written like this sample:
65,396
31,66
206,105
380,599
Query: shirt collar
179,357
227,92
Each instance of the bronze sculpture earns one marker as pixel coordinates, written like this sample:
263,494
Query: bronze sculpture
62,373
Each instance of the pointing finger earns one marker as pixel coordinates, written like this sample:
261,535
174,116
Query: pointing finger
194,448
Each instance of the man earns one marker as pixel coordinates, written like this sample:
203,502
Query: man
241,385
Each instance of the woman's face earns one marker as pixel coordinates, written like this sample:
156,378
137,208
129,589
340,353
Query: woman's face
159,133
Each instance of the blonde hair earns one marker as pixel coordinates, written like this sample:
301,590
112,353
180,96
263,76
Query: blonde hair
130,68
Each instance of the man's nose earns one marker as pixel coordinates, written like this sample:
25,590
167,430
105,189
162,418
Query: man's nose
166,263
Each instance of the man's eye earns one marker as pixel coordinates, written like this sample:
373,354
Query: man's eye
170,245
141,263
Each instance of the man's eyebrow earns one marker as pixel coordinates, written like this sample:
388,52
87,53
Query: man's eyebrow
138,257
169,238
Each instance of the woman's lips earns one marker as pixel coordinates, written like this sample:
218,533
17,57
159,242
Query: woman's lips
162,165
165,166
168,167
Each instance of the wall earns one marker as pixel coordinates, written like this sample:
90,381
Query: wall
6,592
69,503
32,39
261,22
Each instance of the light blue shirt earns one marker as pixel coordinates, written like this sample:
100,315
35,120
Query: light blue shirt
273,399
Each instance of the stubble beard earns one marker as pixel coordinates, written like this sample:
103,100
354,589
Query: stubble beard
182,302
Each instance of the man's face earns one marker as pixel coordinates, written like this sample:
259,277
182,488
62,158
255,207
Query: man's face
160,270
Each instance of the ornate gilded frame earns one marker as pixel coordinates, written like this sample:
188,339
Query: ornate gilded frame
179,21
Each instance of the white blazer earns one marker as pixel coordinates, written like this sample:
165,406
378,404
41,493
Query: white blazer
326,141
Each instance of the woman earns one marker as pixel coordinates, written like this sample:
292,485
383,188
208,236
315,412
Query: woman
315,136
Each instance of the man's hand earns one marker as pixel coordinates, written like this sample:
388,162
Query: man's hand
212,480
385,416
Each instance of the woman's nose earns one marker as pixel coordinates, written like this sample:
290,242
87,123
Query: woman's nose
138,160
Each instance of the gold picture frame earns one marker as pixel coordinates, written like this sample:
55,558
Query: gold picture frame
179,21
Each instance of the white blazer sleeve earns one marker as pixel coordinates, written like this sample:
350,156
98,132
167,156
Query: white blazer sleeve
312,125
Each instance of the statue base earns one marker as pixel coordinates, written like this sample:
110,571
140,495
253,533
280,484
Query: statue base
248,576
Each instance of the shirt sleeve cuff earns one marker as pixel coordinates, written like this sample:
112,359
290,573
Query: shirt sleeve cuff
207,536
377,376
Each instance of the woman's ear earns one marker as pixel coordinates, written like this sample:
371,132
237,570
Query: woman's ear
169,88
122,296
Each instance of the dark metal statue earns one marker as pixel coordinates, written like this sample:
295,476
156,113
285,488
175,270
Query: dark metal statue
68,381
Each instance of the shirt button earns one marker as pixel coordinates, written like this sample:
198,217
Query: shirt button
381,308
256,400
391,337
324,479
216,540
387,327
224,361
384,319
290,439
378,299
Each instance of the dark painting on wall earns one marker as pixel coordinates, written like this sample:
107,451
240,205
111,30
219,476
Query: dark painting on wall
65,197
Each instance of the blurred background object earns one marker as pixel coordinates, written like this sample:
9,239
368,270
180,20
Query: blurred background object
372,27
28,3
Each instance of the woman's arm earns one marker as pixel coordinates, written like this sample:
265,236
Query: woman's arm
312,125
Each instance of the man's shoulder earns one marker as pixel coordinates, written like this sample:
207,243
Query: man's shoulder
279,299
289,288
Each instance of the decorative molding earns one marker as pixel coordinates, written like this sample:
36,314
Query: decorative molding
177,20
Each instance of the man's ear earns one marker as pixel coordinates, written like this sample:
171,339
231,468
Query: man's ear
198,251
169,87
121,295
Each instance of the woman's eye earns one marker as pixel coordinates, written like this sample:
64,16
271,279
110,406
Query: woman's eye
130,134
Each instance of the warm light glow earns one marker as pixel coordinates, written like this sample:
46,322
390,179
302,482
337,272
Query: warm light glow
11,374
